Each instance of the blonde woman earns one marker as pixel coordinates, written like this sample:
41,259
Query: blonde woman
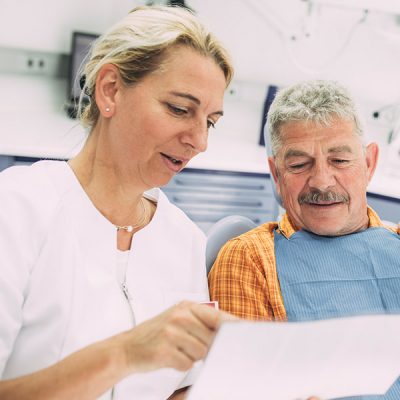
100,276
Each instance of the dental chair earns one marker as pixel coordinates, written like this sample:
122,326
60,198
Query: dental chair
223,230
234,225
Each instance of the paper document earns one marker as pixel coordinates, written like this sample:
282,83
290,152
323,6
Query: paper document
294,360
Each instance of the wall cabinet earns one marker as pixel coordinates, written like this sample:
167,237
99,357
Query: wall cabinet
209,195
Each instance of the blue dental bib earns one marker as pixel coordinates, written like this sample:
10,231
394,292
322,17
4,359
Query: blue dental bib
328,277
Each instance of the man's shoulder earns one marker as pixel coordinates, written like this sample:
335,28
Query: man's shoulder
255,247
260,236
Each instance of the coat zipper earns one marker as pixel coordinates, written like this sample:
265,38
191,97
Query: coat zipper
128,298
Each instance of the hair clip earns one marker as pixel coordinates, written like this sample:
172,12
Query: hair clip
82,82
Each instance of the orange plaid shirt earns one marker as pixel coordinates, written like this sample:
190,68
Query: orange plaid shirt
244,279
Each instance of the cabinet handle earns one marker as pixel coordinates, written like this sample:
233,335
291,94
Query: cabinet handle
252,204
220,185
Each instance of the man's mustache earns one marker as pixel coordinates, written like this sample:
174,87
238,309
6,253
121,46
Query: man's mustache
317,196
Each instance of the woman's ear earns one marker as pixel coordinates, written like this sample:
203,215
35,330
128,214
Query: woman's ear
107,84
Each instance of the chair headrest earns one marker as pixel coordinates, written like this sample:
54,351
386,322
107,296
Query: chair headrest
223,230
268,148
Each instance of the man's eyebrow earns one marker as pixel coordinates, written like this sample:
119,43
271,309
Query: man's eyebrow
340,149
299,153
194,99
295,153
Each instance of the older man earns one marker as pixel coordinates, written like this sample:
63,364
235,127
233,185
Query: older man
330,255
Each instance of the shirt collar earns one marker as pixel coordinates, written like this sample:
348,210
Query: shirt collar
287,228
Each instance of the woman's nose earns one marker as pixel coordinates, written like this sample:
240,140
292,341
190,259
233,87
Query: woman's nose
197,137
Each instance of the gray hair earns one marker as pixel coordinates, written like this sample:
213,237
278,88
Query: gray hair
138,45
318,101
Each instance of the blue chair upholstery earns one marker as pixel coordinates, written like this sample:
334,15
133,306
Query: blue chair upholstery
223,230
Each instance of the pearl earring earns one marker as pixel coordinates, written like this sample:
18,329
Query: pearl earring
107,109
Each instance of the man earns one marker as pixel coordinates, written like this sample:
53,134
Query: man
330,255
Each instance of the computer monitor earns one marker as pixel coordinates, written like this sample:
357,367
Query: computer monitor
81,43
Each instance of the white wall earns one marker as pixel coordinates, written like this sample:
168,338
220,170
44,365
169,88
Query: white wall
34,122
369,63
257,33
362,51
46,25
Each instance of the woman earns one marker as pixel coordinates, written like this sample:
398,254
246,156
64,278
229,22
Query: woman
90,256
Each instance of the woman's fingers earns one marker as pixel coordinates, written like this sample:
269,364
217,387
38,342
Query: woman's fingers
211,317
176,338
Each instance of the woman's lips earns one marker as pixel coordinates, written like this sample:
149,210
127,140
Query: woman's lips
174,163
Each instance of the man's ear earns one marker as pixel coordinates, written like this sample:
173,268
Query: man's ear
107,83
274,172
371,158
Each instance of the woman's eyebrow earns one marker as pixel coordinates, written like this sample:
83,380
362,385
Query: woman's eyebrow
194,99
187,96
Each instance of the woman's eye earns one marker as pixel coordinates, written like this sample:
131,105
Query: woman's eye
210,124
177,110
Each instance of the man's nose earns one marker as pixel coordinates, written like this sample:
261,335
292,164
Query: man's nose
322,177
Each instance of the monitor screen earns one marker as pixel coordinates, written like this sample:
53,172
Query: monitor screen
81,43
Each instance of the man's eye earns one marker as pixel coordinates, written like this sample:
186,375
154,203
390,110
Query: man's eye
297,166
210,124
340,161
177,110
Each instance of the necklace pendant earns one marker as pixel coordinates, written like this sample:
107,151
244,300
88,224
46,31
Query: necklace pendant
128,228
141,222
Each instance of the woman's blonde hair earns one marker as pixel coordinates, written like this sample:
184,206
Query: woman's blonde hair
137,46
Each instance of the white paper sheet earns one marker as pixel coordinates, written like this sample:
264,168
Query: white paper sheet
288,361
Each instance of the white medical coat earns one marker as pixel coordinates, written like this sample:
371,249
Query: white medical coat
58,285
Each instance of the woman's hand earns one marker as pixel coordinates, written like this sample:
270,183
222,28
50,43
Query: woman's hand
174,339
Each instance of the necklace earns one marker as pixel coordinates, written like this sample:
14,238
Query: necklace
140,223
